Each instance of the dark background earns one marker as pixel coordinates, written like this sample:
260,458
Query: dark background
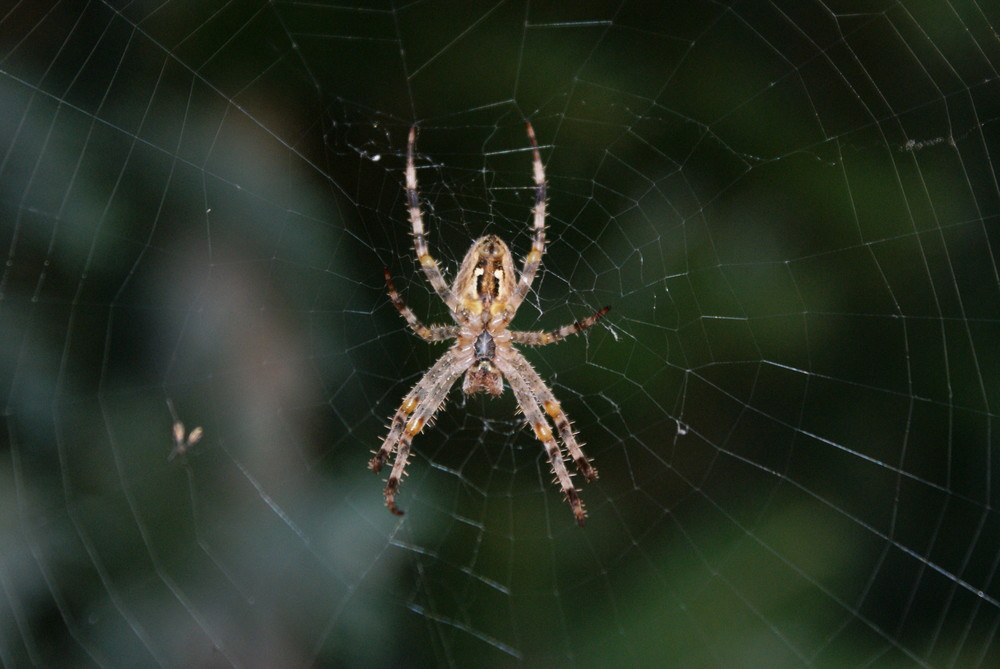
791,207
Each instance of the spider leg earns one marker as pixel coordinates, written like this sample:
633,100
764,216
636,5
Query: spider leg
527,400
419,393
540,390
432,333
534,257
431,269
542,338
417,409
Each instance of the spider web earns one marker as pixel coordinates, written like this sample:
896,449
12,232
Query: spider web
791,207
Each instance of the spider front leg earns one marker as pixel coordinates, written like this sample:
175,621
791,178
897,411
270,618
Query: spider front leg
543,396
527,399
417,410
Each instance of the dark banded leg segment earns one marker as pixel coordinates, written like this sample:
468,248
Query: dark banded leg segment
551,337
534,257
418,408
536,419
432,333
427,262
544,396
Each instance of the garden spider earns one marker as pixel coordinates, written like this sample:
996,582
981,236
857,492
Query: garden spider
483,301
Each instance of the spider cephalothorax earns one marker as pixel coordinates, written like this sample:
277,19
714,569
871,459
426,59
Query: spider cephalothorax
483,300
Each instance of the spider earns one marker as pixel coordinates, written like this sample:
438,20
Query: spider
483,300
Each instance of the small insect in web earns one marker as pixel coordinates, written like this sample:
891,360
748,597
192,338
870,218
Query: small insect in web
182,441
483,300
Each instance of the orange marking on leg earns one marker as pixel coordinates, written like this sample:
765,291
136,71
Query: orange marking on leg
414,426
543,432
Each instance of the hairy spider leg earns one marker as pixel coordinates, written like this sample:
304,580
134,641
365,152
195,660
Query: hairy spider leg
552,336
432,333
416,411
536,419
431,269
543,396
534,257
